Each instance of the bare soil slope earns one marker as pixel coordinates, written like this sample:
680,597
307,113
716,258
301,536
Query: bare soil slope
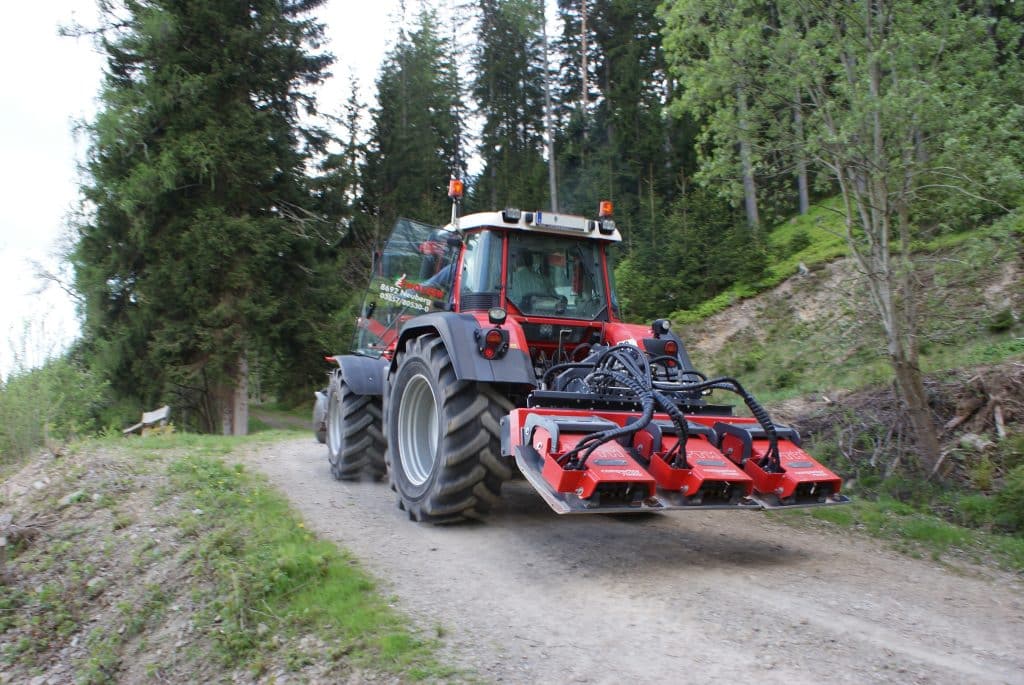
531,597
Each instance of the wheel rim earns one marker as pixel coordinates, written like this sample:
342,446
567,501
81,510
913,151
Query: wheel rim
335,424
417,430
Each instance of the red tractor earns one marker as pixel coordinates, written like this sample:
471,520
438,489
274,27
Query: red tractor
493,347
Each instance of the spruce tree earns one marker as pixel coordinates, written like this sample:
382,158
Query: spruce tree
198,257
415,143
508,86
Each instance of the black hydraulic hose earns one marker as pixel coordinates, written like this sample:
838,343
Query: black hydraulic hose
558,368
677,455
635,377
771,461
576,458
628,368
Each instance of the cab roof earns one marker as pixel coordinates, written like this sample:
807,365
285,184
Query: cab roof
554,223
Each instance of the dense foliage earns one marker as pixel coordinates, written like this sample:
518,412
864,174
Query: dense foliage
49,405
416,138
891,102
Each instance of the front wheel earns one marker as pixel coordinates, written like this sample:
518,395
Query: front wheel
355,439
444,445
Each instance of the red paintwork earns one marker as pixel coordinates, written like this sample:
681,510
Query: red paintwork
658,473
617,332
707,463
798,467
609,463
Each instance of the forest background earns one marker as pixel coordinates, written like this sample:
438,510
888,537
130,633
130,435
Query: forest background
226,225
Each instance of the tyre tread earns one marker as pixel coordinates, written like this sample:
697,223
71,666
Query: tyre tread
362,438
472,471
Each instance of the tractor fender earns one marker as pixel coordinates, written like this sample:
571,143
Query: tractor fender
458,331
364,375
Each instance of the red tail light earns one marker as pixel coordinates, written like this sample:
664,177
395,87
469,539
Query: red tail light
493,344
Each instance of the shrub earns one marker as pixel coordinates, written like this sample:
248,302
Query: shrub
57,402
975,511
799,241
1010,500
1001,321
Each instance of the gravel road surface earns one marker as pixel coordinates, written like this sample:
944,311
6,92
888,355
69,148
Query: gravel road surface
531,597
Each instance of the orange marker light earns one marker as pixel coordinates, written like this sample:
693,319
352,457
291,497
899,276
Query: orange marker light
455,189
605,209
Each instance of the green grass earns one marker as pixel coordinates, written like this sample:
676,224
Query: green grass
267,592
302,410
824,228
918,533
267,571
257,426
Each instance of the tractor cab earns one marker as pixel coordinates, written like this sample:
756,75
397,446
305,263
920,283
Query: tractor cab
547,272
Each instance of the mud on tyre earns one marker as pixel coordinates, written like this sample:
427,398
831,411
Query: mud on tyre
444,452
355,437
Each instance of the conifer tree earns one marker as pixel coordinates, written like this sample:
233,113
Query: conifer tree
415,143
508,87
198,254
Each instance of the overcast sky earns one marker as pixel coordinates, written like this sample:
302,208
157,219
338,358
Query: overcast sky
48,83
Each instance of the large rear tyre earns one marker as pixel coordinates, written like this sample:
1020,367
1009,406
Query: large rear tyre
355,437
444,443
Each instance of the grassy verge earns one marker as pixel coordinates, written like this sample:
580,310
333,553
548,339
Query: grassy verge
822,335
268,575
919,533
159,558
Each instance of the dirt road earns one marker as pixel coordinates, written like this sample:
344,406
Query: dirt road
530,597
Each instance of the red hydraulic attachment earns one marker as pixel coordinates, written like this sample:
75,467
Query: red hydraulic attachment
559,452
798,479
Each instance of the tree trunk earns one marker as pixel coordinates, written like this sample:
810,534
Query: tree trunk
235,401
893,294
549,128
911,388
240,400
801,160
746,158
583,54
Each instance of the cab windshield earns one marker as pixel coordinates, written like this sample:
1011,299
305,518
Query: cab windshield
554,276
